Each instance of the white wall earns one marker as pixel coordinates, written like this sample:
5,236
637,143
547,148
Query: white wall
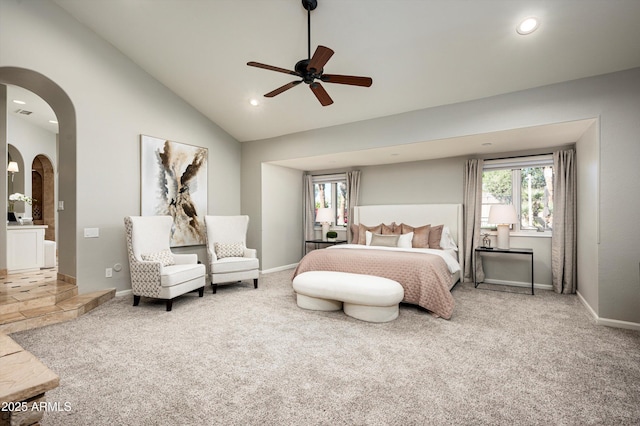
614,98
115,101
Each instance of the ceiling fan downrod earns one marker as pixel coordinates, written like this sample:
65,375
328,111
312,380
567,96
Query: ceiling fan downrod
309,5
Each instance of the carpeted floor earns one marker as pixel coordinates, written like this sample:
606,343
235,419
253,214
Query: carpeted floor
245,356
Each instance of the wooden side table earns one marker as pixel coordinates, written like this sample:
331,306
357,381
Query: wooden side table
525,251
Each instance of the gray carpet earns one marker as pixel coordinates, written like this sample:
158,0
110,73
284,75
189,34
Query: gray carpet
246,356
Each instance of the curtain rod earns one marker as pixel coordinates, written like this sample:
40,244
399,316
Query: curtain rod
328,174
519,156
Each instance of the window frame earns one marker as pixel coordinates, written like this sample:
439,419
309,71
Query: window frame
516,164
333,179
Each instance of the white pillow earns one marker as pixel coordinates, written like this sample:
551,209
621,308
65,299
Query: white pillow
446,241
367,239
405,240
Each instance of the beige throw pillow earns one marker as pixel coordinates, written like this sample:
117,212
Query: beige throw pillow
384,240
229,249
165,257
420,235
354,233
391,229
362,237
434,237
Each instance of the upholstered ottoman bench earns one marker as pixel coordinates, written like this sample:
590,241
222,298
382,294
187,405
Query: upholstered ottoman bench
365,297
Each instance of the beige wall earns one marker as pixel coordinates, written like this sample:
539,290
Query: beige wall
281,214
588,175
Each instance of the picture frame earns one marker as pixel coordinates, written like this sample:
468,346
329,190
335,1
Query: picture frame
173,181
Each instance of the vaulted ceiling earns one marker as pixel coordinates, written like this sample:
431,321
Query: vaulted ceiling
420,53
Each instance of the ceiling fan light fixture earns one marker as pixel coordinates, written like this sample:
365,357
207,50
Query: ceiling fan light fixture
254,102
528,25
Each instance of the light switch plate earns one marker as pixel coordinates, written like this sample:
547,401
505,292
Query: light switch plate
91,232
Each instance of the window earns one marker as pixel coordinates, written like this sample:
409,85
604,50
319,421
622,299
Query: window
331,191
525,182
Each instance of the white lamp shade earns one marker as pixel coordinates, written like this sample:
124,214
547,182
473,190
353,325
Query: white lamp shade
502,214
13,167
324,214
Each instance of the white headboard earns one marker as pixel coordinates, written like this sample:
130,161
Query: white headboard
450,215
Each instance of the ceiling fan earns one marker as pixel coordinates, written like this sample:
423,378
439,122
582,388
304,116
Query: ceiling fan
312,68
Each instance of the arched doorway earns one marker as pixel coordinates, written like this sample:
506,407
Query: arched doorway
61,104
43,192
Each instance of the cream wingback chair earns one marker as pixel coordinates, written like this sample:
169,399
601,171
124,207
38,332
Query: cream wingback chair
155,270
229,258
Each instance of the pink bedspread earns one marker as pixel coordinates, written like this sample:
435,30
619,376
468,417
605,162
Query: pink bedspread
424,277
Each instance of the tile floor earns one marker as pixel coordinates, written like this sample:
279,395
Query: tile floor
23,290
38,298
32,294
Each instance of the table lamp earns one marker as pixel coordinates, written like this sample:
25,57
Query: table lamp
503,215
324,215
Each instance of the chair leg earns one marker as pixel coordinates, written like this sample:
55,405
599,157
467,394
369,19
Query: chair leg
169,304
201,291
136,300
214,287
255,283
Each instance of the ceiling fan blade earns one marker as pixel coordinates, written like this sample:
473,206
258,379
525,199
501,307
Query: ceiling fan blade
270,67
282,89
320,57
321,94
347,79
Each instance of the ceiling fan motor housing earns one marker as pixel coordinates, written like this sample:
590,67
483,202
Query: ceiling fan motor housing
307,76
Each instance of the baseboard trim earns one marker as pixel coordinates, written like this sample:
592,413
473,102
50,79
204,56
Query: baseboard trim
520,284
606,321
278,269
124,292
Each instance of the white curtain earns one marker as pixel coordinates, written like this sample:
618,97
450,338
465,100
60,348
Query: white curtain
563,235
472,214
353,193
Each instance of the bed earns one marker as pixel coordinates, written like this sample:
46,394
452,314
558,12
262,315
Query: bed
426,274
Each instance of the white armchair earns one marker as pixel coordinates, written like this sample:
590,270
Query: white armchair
229,258
155,271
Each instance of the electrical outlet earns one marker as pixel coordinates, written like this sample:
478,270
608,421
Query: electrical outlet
108,273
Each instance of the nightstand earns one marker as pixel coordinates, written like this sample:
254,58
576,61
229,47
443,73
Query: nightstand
511,251
318,242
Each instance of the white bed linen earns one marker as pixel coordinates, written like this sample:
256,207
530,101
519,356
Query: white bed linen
449,256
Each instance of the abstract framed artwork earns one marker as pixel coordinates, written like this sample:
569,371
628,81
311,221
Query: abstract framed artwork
174,182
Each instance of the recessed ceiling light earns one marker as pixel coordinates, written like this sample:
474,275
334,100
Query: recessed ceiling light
528,26
53,122
19,102
254,102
